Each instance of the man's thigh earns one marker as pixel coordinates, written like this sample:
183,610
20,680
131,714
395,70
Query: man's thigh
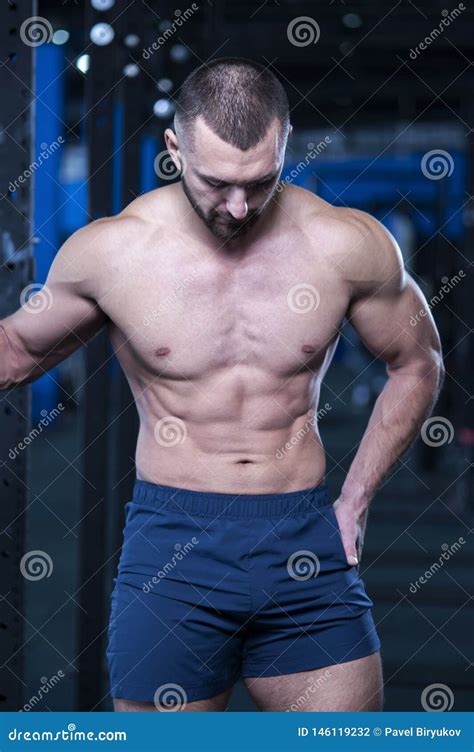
353,686
213,704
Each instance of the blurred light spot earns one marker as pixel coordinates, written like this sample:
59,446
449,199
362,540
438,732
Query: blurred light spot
163,108
165,85
131,70
132,40
179,53
345,47
360,395
83,63
102,4
60,36
352,20
102,34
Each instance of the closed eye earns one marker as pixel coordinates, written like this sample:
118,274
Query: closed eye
264,183
217,185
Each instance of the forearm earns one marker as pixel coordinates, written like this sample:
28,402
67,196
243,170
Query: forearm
19,367
405,402
8,361
16,367
27,354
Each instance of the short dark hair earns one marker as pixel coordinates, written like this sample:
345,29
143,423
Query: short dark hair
237,98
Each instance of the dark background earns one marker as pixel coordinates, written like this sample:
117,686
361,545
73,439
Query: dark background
385,104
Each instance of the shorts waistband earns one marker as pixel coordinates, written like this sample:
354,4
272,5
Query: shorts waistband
209,503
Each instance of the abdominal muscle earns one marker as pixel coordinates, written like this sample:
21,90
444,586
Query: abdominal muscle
257,445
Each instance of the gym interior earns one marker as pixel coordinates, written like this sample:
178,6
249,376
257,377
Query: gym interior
383,122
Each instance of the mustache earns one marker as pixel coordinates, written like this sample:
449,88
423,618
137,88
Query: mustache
232,221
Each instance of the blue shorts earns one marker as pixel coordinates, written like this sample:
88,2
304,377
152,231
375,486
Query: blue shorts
214,586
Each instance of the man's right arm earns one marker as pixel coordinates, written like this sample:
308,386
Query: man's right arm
61,317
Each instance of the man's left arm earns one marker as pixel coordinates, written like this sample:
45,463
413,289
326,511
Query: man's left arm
393,319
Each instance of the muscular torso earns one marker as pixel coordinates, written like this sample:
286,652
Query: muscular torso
225,355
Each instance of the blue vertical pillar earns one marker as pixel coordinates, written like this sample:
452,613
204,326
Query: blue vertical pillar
49,144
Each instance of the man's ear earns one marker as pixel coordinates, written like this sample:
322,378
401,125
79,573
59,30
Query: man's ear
290,130
172,145
171,141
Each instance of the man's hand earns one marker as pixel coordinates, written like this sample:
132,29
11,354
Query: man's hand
352,526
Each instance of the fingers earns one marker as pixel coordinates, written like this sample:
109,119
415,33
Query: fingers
352,532
353,552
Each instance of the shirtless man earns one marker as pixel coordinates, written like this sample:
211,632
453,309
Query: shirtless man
223,295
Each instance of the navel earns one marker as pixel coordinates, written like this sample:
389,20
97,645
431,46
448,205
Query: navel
163,351
308,349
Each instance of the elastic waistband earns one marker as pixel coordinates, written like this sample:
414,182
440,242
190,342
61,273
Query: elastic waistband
206,503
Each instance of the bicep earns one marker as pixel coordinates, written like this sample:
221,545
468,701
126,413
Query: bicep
396,325
54,322
58,319
40,338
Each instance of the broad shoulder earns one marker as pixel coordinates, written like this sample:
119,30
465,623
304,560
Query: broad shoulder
153,208
96,241
370,256
143,217
362,251
93,253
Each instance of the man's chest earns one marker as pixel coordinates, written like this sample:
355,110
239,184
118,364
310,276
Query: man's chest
187,320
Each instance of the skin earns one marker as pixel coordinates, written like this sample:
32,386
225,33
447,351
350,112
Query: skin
354,686
200,309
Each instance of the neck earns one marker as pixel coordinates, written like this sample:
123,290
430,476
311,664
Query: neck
232,247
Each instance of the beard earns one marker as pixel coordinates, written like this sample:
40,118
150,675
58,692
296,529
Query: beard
223,228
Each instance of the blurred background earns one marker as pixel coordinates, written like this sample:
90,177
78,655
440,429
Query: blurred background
382,109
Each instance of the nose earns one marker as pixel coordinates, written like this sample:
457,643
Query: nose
236,203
